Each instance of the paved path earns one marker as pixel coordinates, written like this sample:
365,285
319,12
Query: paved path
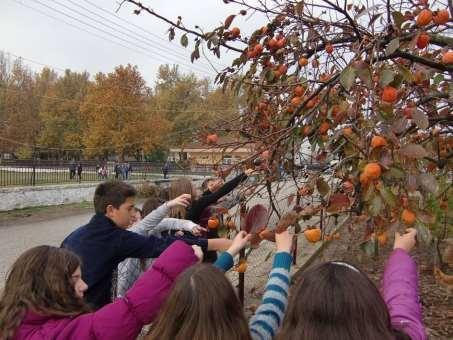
16,239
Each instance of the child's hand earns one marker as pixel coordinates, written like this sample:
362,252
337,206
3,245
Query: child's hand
183,200
248,172
198,230
239,242
198,253
406,241
284,241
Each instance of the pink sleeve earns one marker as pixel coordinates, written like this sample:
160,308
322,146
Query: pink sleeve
400,292
124,318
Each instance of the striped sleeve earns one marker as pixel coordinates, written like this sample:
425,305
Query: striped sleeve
269,315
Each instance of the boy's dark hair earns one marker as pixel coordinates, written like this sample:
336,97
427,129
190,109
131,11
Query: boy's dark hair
112,193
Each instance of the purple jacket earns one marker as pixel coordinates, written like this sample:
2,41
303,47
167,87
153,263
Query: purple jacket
400,292
124,318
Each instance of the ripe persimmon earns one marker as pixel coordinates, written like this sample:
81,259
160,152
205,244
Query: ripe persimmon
424,17
212,138
303,62
329,48
372,170
378,141
408,217
389,94
299,91
296,101
242,266
235,32
423,40
213,223
313,235
441,17
347,131
324,127
447,58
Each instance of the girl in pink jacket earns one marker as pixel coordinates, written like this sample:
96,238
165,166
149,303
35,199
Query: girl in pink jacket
335,300
43,297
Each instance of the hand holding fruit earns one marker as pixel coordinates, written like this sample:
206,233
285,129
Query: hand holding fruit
406,241
239,242
182,200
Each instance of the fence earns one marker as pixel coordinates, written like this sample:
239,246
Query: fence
39,172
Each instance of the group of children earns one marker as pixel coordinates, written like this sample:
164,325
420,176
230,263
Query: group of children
169,277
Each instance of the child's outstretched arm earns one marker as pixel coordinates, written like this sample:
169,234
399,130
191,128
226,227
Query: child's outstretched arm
225,260
154,218
400,287
124,318
169,223
268,317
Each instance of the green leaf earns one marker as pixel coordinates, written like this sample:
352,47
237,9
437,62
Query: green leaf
365,76
388,196
438,78
368,246
369,193
376,205
347,77
395,173
171,33
404,71
398,18
423,233
184,40
386,77
392,46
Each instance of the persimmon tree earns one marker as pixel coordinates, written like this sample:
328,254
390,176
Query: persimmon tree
367,84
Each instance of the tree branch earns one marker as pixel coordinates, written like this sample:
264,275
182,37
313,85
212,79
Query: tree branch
182,28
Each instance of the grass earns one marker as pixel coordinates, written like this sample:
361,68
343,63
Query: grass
42,210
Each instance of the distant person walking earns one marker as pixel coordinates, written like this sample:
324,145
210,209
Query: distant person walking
165,169
79,172
72,169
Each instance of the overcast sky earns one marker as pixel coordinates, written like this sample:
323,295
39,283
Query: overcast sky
98,41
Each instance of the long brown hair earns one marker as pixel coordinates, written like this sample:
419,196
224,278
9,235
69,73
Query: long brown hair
40,280
334,301
177,188
201,306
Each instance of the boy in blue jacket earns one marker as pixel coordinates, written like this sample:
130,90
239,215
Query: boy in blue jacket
104,242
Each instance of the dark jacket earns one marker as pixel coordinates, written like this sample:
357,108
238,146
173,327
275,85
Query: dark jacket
102,246
195,210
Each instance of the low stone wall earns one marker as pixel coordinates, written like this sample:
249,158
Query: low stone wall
25,197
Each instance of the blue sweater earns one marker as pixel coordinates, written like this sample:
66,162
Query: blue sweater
267,319
102,246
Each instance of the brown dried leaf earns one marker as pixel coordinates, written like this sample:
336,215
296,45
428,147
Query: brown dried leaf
287,220
229,20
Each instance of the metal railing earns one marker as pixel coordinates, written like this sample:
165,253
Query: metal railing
31,172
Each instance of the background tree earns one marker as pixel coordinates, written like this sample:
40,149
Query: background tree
62,124
118,116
